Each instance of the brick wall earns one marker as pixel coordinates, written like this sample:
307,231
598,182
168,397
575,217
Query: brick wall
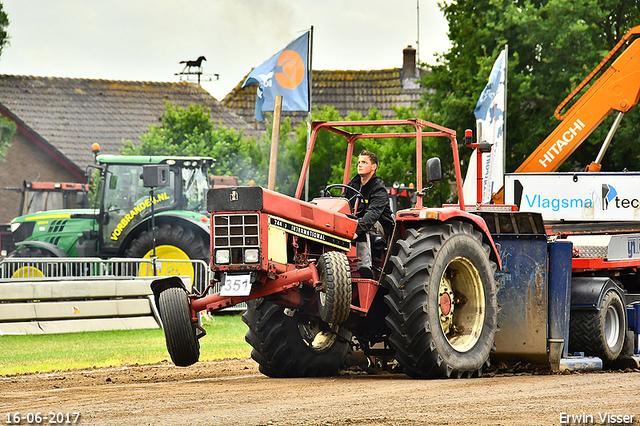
25,161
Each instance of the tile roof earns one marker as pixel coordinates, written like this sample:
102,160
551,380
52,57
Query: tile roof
71,113
346,91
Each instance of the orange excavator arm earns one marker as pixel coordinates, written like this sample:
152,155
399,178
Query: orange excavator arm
618,88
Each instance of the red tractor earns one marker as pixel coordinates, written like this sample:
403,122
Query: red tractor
431,305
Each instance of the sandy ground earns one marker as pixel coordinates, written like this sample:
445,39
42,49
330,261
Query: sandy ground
233,392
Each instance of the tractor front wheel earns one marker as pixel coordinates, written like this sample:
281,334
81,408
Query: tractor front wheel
442,302
334,293
293,346
179,331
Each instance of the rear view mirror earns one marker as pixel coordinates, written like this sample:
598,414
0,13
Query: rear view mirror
434,170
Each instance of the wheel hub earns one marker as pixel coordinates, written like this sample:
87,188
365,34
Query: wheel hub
461,304
445,306
315,336
611,326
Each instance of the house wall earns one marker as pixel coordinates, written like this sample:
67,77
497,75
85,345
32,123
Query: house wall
26,161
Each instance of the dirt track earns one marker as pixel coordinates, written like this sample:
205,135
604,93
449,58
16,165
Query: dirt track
233,392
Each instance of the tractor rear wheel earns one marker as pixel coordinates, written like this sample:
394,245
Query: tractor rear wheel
599,332
172,242
334,296
442,302
293,346
179,331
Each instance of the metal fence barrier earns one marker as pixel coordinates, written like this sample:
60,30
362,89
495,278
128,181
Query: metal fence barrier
15,269
60,295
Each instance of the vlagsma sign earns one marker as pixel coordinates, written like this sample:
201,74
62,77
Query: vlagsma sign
576,196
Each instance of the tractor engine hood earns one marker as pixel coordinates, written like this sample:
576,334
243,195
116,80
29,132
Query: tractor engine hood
255,198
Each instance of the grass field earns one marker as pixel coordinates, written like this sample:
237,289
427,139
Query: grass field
32,353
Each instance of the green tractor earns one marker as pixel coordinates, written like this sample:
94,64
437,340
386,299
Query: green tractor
173,195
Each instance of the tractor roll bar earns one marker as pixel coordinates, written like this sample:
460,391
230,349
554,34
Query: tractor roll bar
337,127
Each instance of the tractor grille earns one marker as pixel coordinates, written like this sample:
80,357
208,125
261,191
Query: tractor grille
236,233
24,231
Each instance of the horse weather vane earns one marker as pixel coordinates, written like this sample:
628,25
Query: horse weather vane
195,68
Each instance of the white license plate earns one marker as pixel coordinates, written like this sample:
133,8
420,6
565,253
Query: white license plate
236,285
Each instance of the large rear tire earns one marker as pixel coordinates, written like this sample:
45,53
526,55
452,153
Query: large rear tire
298,346
442,302
172,242
599,332
179,332
334,299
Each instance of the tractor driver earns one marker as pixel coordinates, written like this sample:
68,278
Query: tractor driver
374,214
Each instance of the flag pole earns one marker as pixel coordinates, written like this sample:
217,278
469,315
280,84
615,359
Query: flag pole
309,74
275,142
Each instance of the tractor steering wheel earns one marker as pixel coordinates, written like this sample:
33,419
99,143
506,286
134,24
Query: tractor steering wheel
357,194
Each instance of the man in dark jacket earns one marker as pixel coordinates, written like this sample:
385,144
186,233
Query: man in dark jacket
374,214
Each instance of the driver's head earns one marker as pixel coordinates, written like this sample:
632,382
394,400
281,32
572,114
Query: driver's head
367,163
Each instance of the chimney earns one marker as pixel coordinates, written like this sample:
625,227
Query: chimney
409,62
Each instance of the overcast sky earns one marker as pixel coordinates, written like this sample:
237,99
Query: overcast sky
144,40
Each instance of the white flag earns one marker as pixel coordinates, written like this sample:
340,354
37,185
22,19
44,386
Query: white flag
490,115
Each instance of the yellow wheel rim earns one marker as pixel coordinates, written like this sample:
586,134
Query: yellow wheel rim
461,304
164,265
28,272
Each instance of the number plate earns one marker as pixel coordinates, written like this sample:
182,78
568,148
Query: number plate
236,285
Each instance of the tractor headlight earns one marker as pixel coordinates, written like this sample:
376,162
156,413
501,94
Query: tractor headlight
251,255
15,226
222,257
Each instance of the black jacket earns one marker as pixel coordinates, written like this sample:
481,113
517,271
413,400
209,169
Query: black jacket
376,207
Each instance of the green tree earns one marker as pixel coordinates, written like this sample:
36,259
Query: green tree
293,147
7,130
553,46
190,132
4,23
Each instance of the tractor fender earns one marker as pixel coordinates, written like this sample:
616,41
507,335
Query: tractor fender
51,248
160,285
587,292
444,215
173,219
479,224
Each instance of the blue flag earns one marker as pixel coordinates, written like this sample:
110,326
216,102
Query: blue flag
488,98
285,74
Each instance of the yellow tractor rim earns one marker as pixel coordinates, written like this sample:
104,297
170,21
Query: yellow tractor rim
165,254
462,304
28,272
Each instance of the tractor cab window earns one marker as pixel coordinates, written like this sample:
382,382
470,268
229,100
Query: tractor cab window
124,189
195,185
76,200
40,201
127,202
